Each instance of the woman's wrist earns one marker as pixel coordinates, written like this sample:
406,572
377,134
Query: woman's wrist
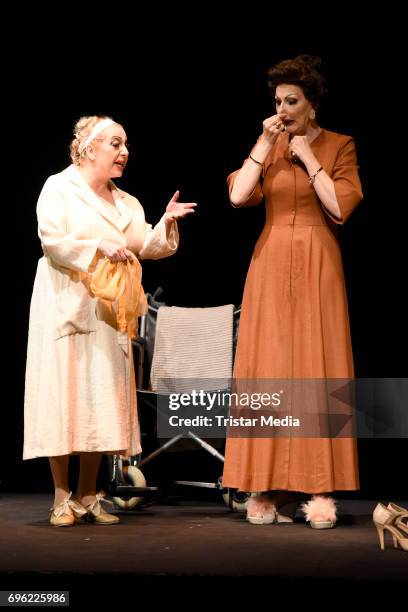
312,177
260,152
264,146
312,165
256,161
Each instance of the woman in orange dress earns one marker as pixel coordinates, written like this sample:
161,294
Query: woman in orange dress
294,322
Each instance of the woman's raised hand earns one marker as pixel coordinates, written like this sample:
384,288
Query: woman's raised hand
272,127
178,210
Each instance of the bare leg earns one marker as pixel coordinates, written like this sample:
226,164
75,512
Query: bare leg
59,470
88,472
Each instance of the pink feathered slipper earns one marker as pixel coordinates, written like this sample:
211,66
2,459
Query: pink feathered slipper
261,511
320,512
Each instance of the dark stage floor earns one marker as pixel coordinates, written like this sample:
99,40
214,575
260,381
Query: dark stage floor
198,542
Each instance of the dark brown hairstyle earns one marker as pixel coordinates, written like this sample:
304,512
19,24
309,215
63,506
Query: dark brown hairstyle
303,71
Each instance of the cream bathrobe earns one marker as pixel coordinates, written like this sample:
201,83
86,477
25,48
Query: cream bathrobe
80,391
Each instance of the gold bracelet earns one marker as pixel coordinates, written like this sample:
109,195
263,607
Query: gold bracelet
313,176
256,161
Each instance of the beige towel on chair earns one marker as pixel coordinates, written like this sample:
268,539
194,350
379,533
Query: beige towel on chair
193,349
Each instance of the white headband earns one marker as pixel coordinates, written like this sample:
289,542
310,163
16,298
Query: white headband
97,128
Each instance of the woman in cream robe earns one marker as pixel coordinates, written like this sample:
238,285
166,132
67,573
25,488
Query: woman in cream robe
80,392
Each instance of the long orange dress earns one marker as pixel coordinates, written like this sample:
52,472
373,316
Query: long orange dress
294,321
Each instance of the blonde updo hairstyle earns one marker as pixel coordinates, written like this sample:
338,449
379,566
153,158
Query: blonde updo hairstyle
82,129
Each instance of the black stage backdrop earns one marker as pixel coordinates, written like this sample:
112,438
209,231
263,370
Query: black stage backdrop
193,105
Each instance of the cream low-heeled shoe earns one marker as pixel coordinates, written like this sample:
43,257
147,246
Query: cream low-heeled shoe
66,513
95,512
383,520
400,514
320,512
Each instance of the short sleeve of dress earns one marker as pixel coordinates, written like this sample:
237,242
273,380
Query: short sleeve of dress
346,180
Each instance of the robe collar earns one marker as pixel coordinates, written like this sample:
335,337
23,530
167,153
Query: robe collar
89,197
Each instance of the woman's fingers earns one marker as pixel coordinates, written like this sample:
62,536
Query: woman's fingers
189,206
178,214
182,210
175,197
120,255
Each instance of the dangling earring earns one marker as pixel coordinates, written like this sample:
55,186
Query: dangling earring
313,115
